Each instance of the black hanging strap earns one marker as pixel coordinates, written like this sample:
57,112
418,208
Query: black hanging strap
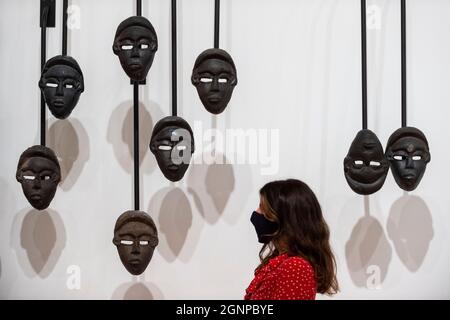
64,33
216,23
174,57
364,63
45,9
136,127
136,143
139,7
404,83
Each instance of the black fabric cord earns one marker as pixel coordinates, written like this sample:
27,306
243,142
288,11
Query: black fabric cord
216,23
64,33
136,143
174,57
43,59
136,128
404,82
139,7
364,63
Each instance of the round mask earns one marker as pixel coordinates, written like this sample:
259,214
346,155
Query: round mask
365,166
408,153
214,76
61,84
39,173
136,237
135,43
172,143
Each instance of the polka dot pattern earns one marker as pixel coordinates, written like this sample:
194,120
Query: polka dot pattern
283,278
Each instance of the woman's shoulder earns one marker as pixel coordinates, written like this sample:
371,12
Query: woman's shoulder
295,264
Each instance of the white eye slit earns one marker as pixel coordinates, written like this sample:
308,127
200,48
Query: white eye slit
126,242
165,148
398,158
223,80
359,162
206,80
69,86
181,147
51,85
29,177
46,177
143,242
126,47
416,158
144,46
375,163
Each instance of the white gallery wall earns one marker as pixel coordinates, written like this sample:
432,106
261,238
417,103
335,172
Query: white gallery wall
298,99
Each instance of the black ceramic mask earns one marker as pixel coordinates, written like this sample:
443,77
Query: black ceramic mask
39,173
215,77
135,44
365,166
61,84
408,153
172,143
136,237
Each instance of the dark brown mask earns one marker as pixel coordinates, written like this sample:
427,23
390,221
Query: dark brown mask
214,76
365,166
61,84
408,153
135,43
172,143
136,237
39,173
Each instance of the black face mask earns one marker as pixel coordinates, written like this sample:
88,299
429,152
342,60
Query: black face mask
365,165
408,153
264,227
172,143
214,76
61,84
135,44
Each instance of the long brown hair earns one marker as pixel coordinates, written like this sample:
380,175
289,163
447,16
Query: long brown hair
302,230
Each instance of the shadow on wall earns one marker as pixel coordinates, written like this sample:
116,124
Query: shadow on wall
214,182
38,237
70,141
368,252
122,140
410,227
172,212
137,291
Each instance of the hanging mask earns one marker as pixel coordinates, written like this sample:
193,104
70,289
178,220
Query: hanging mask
215,77
39,173
264,227
135,43
365,166
61,84
408,153
136,237
172,143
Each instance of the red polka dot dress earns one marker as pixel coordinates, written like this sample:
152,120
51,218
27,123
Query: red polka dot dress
283,278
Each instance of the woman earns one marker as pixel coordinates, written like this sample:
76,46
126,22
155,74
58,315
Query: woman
296,258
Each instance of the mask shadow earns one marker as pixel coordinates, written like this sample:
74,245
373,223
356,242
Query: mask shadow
410,228
70,141
38,237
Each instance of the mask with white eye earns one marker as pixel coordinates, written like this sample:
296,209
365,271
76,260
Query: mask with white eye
135,44
214,76
61,84
135,237
408,153
39,173
365,166
172,144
